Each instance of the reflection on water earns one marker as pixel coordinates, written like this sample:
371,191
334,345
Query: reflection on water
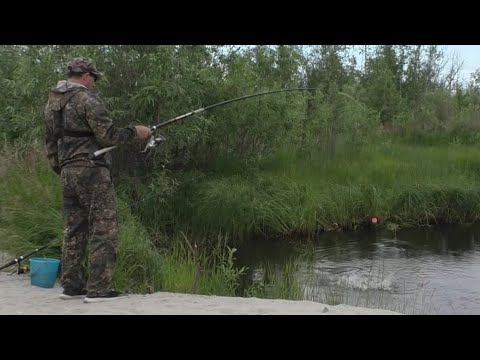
421,271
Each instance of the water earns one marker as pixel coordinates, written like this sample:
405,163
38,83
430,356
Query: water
421,271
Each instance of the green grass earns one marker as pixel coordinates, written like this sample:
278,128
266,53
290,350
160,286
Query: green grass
203,268
31,216
305,192
276,283
139,264
30,204
288,194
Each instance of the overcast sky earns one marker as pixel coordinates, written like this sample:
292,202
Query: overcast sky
469,54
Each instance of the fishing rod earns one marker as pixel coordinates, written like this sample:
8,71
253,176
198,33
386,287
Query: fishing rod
157,139
21,258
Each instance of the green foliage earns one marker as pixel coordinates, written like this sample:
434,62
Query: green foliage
204,268
31,216
401,90
278,283
139,262
303,192
30,207
394,137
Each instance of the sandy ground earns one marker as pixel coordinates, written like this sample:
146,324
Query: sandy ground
18,296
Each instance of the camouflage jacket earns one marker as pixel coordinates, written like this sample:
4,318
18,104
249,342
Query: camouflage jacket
76,125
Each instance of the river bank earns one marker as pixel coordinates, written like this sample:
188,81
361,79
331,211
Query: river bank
19,297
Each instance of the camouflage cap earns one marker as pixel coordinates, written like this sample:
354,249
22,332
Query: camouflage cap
83,65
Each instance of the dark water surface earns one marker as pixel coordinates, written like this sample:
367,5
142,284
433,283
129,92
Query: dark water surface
421,271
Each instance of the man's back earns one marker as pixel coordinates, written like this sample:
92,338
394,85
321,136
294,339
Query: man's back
78,124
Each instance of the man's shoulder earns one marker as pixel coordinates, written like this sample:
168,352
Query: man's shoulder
88,97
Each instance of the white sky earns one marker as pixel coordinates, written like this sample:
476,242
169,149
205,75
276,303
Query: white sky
469,55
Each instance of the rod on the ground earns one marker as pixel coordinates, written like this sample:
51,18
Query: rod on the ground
18,260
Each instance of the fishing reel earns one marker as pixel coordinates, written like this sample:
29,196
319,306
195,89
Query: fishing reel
154,141
23,269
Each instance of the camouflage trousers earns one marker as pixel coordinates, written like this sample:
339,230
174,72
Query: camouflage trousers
90,216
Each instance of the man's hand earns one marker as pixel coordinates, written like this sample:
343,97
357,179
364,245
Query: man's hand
143,132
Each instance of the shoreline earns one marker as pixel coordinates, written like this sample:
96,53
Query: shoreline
19,297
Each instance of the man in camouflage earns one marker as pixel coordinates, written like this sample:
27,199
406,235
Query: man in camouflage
77,124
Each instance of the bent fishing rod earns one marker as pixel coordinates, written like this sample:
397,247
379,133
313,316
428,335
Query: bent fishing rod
157,139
